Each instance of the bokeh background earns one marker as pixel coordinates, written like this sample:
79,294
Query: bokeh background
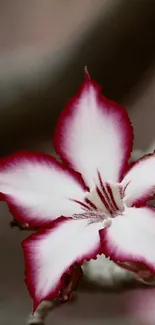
44,46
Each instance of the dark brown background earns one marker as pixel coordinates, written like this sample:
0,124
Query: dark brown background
44,46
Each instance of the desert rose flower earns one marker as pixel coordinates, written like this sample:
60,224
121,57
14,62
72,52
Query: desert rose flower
93,202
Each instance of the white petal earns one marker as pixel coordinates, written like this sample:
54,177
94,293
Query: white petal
139,182
94,134
131,237
50,253
39,189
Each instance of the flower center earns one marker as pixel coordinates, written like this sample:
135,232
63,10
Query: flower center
103,202
107,198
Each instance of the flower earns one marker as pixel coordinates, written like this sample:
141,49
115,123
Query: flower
92,202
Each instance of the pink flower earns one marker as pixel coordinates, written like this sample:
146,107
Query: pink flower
82,216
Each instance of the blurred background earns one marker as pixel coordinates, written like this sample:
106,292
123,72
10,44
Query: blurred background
44,46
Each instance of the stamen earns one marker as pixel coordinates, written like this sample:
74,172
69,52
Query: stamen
85,206
111,206
116,195
105,194
111,197
103,199
94,216
92,205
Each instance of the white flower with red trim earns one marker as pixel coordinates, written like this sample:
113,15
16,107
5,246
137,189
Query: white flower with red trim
101,211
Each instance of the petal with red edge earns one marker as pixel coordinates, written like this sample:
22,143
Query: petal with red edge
139,182
38,188
131,237
94,134
50,253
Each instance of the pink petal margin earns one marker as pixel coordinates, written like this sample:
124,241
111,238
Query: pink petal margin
11,164
62,131
29,273
31,256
